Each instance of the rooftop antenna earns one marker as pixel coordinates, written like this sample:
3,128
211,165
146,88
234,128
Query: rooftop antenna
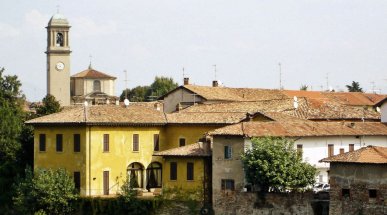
126,84
214,70
183,73
280,75
327,77
373,86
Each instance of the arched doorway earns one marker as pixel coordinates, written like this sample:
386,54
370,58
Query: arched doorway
135,174
153,175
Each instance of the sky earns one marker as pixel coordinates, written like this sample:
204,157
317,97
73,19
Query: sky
320,43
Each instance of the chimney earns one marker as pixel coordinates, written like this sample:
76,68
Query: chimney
215,83
157,106
383,111
186,81
178,107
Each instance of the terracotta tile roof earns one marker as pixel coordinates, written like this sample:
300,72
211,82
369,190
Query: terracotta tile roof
205,118
192,150
91,73
369,154
302,129
234,94
104,115
345,98
307,109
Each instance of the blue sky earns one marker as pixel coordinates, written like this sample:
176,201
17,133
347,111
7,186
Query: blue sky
344,40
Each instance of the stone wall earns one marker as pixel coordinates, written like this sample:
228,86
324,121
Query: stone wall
274,203
357,180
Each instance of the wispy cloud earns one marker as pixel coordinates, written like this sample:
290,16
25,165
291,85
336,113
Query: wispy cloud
35,20
86,27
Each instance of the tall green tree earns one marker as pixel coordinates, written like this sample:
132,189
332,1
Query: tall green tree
273,162
50,105
354,87
11,128
160,86
46,190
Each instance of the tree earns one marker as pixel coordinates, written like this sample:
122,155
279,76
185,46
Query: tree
51,191
272,162
137,94
160,86
304,87
354,87
11,127
50,105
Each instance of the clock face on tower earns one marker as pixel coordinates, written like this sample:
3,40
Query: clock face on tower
59,66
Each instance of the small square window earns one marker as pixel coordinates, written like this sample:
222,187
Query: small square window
372,193
228,184
345,193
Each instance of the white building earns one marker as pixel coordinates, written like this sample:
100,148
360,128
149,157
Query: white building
316,140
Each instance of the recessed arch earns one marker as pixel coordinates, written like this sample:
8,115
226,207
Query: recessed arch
154,175
135,174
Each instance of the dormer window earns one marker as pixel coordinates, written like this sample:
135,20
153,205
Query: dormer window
59,39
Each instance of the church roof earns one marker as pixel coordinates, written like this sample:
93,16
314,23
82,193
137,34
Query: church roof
58,19
92,73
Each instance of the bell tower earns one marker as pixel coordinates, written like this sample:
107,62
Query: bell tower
58,59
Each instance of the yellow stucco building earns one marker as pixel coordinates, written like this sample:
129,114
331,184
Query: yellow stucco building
102,146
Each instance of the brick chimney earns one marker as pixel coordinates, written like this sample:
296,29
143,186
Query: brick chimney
215,83
383,111
186,81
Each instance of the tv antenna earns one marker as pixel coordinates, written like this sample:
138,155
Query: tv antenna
327,77
280,75
214,70
373,86
126,84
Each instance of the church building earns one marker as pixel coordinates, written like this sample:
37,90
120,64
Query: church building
89,85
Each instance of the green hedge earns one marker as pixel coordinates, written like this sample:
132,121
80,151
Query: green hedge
99,206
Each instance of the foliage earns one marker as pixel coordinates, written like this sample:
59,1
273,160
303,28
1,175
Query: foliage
12,160
160,86
137,94
354,87
272,162
50,191
304,87
50,105
11,101
102,206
